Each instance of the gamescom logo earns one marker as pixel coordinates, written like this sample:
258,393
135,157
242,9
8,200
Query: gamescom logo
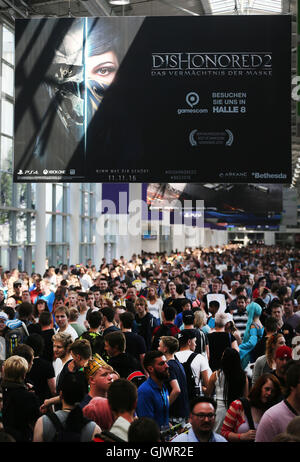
192,99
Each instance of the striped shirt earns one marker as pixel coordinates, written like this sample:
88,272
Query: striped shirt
233,419
240,320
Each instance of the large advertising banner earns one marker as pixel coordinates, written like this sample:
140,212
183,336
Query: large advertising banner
222,197
153,99
226,203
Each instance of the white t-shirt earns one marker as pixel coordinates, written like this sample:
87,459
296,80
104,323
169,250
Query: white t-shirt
70,330
57,365
86,282
198,365
82,318
155,308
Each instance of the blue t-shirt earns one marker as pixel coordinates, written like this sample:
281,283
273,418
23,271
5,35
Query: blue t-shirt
153,402
211,322
178,320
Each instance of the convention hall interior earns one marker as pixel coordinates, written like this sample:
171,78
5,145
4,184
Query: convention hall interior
45,224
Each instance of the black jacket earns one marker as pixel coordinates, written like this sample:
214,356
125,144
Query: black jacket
20,411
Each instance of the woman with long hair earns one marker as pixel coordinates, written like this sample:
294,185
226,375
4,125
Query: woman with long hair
154,302
39,306
198,303
243,417
253,333
266,363
228,384
261,284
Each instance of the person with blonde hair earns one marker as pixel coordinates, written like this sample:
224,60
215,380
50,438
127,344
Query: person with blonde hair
100,376
61,352
20,406
218,340
200,321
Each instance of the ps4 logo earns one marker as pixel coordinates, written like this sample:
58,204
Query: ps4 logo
27,172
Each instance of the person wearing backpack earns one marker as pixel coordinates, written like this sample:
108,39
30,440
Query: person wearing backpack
177,385
122,400
93,335
167,328
195,364
15,334
69,423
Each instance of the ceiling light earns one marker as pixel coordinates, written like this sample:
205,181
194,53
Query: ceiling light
119,2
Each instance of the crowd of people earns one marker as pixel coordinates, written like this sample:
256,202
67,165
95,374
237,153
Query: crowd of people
196,346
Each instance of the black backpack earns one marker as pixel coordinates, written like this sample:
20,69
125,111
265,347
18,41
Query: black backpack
109,437
15,335
163,330
192,387
62,433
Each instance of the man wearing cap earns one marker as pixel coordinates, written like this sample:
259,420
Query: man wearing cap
199,365
17,286
188,319
100,376
282,356
276,419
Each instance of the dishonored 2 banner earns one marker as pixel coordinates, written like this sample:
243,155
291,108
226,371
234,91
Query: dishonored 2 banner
153,99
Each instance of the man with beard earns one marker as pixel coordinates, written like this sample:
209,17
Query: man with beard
153,395
202,420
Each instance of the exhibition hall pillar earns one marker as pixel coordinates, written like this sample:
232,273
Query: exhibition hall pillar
178,238
131,242
74,223
99,238
40,248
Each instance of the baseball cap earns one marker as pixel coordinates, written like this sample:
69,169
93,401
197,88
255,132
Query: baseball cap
18,282
186,334
283,352
188,316
228,318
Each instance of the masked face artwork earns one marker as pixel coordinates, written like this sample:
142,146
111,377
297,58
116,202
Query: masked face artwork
84,66
64,80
